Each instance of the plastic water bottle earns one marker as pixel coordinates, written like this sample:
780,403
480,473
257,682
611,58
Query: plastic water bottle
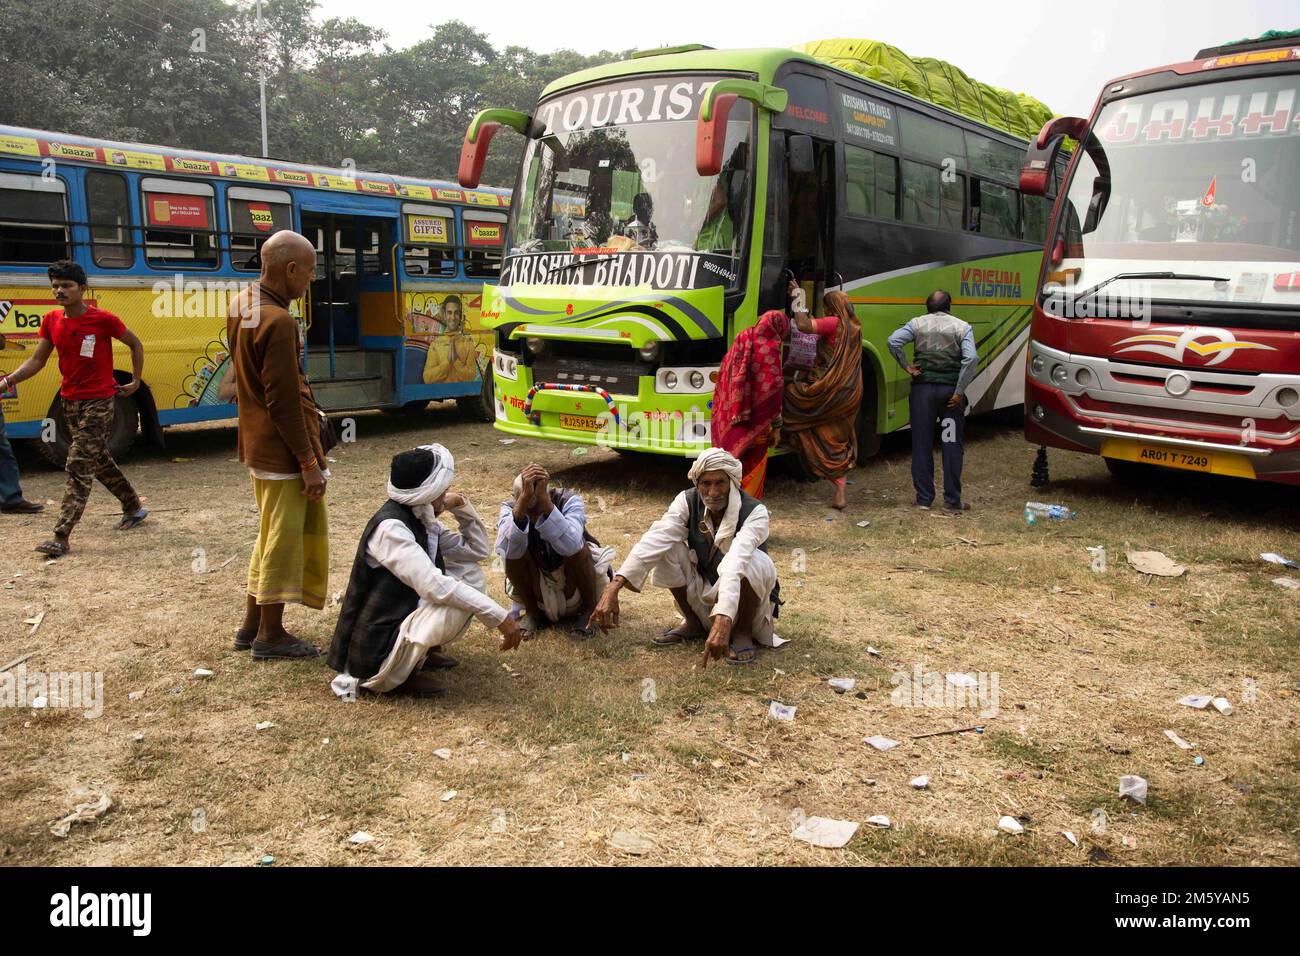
1036,509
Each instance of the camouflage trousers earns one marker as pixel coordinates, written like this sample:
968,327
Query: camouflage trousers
89,423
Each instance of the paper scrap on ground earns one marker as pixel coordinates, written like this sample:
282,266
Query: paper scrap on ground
345,686
1133,787
83,813
1074,840
629,842
864,524
265,725
778,711
1179,742
823,831
880,821
1010,825
361,838
881,743
443,753
1275,558
1154,562
1292,583
1222,706
1198,701
920,783
449,795
872,651
778,640
842,684
35,622
135,695
202,672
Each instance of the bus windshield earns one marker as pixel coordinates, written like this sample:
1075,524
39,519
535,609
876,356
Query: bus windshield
1180,185
615,173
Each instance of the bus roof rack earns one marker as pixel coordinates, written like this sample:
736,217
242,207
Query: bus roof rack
1264,41
668,50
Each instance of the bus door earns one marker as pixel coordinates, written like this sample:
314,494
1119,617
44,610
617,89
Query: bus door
352,258
810,188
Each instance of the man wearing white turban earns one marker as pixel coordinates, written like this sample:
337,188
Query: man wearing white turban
415,584
710,550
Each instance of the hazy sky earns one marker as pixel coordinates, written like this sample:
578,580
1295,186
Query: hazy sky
1061,52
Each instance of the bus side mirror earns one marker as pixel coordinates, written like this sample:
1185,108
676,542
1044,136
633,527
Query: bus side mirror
799,152
1040,157
478,137
711,136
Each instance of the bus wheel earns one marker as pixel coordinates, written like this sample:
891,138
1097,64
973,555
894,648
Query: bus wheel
121,437
1130,473
869,439
478,408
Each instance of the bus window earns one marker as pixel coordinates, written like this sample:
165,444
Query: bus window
1035,219
994,210
178,223
870,182
920,193
929,139
991,159
952,201
110,220
34,221
428,240
484,235
254,214
345,262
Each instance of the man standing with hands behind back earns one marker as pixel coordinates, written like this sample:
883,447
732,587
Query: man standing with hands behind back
945,363
279,441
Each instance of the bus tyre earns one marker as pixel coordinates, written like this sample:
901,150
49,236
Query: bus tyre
126,425
478,408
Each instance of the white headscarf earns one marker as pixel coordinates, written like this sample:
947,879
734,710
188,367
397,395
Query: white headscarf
716,459
421,498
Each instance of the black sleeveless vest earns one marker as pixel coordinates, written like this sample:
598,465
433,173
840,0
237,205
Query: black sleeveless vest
546,556
708,556
376,602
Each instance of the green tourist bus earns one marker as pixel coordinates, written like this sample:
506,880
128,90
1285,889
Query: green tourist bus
665,202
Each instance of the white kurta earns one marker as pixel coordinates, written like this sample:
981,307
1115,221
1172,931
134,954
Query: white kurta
447,601
664,551
563,530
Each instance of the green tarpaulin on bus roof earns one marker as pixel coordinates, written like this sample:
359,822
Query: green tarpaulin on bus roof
935,81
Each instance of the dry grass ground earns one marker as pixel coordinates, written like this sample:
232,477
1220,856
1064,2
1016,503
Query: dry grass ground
561,743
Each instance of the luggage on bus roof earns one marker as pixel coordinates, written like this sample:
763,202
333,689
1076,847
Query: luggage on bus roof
935,81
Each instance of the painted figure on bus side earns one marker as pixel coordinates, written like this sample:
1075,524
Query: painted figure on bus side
453,354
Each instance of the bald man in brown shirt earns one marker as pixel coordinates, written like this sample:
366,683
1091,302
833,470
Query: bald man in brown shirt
279,441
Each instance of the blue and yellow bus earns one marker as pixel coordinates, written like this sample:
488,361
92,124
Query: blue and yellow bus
168,236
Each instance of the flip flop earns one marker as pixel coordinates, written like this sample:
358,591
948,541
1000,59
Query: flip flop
673,635
55,549
741,657
292,649
130,521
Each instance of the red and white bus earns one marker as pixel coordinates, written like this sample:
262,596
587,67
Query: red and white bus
1166,329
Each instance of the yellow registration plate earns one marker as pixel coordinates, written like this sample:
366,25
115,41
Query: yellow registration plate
1212,462
581,423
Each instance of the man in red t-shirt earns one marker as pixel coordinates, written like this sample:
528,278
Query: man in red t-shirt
82,335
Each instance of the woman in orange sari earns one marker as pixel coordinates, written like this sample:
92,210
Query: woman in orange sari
820,415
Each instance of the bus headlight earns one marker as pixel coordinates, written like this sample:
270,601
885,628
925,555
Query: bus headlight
1060,374
505,366
670,379
1287,397
1037,364
697,379
535,345
1084,377
649,351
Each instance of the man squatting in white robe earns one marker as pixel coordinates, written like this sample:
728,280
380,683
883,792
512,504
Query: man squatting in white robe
554,567
709,550
415,584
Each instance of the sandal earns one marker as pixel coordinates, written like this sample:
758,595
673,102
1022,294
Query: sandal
54,548
292,649
244,638
676,635
130,521
741,657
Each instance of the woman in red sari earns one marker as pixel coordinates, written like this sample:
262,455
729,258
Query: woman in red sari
750,391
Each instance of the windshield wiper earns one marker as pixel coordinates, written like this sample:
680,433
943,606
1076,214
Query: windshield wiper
580,262
1147,275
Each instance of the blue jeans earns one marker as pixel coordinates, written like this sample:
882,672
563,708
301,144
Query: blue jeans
10,492
926,403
